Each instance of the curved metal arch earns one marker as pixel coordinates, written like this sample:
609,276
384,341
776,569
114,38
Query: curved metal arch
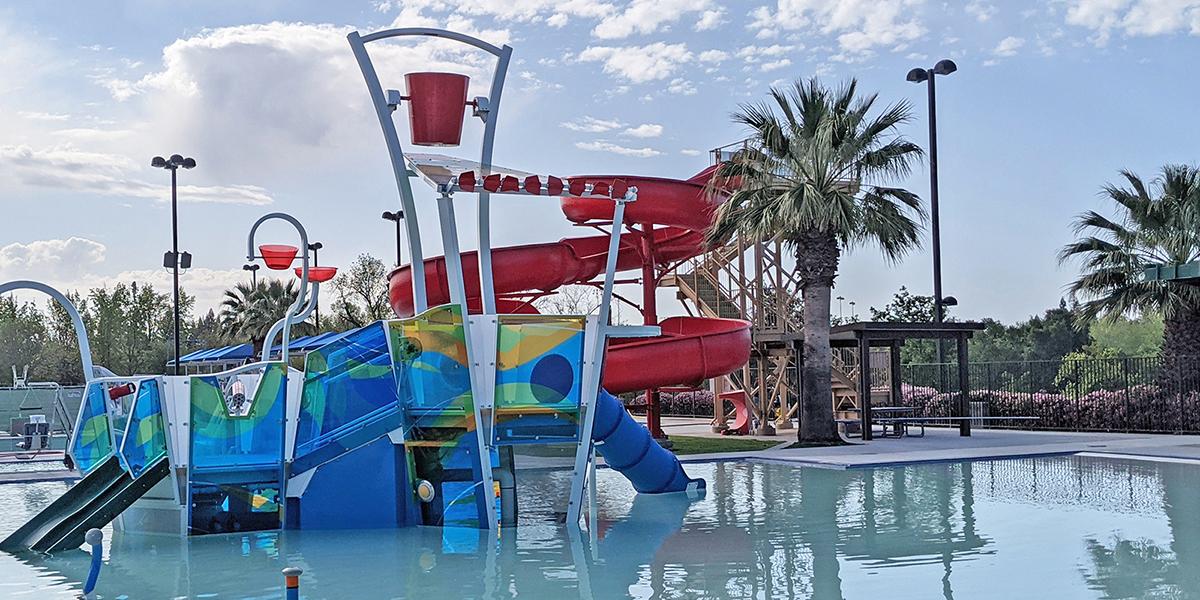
301,296
503,55
85,349
431,32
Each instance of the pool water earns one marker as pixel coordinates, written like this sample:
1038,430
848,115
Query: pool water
1053,527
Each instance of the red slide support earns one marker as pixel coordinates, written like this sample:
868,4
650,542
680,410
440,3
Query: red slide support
670,216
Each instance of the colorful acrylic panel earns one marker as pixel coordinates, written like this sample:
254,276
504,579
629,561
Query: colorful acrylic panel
92,439
229,430
433,382
145,439
539,362
348,384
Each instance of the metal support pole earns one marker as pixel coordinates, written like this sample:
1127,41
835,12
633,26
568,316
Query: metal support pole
650,317
175,261
964,389
864,385
934,222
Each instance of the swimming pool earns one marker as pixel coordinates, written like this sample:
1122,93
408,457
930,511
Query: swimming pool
1052,527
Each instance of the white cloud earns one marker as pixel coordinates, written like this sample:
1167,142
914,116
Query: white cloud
50,259
639,64
71,169
43,116
649,16
589,124
1135,17
690,152
982,11
859,25
1008,46
645,130
756,54
775,64
603,146
710,19
712,56
682,86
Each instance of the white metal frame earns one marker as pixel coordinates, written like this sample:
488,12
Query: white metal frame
486,108
295,309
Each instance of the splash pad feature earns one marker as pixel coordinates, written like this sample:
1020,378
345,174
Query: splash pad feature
429,403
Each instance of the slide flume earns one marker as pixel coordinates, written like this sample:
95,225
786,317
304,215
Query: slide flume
690,349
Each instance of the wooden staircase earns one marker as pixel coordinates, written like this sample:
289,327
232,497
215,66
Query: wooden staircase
715,285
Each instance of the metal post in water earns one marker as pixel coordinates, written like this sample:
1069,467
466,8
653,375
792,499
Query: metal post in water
93,537
291,582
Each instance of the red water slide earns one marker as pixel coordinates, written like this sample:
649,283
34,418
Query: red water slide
690,349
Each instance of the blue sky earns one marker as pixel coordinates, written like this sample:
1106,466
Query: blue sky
1050,100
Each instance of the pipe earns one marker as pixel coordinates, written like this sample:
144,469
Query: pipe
300,318
94,537
85,350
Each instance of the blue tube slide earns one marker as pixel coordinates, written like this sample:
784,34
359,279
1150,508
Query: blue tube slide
628,448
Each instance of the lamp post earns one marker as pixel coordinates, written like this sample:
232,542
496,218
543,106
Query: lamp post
840,314
253,274
918,75
316,247
398,217
173,259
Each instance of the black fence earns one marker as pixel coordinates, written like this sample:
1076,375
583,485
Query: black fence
1136,394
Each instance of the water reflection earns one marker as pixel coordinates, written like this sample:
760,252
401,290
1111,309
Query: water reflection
1072,526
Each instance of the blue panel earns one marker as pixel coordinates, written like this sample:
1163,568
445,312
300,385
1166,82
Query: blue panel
340,497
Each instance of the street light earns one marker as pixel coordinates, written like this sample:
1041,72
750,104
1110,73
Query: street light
253,274
315,247
398,217
840,314
943,67
173,259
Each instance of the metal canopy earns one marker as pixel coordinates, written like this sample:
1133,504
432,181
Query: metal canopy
1188,273
882,333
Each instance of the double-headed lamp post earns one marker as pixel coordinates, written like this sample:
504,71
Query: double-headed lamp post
398,217
316,248
173,259
918,75
253,274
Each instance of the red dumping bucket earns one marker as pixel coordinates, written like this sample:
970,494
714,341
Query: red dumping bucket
436,107
278,256
120,391
317,274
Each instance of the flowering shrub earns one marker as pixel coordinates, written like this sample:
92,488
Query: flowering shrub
1146,407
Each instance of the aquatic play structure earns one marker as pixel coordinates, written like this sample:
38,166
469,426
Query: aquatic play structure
411,421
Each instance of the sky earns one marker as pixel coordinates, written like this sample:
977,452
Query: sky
1051,100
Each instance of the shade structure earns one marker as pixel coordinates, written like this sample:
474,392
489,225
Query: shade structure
278,256
436,107
317,274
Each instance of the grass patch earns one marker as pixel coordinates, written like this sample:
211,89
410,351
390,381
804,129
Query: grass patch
684,444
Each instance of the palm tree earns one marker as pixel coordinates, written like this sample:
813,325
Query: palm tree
815,175
248,312
1156,223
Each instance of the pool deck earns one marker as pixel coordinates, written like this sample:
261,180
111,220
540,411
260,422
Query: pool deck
944,444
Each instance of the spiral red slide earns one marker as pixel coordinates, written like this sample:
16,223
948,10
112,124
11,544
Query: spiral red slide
690,349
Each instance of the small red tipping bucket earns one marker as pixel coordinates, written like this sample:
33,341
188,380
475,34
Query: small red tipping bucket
278,256
437,107
317,274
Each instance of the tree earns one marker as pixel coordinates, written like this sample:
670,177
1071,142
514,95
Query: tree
248,312
906,307
570,300
22,336
362,293
815,175
1156,223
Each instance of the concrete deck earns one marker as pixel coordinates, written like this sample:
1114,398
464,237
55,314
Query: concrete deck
944,444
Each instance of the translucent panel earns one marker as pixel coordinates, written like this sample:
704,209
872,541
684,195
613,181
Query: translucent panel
346,383
120,407
145,439
433,382
92,441
228,431
429,352
539,362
